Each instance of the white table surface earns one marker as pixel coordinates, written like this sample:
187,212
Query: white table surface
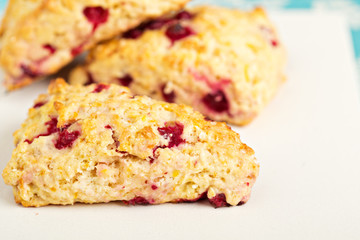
307,142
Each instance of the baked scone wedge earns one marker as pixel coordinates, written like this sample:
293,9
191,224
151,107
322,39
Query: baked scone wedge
100,143
39,37
225,63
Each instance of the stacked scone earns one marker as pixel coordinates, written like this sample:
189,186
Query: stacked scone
102,142
227,64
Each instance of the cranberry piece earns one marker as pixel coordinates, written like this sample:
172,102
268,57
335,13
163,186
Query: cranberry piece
126,80
133,33
50,48
77,50
157,24
183,15
219,201
176,32
169,97
39,104
152,159
216,101
96,15
154,187
137,200
66,139
173,134
90,79
52,128
108,127
100,87
274,43
28,72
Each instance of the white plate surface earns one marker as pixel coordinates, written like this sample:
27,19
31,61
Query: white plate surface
307,141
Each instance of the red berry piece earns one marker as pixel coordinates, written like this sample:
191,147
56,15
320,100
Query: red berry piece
274,43
133,33
156,24
90,79
169,97
183,15
126,80
39,104
96,15
138,201
100,87
51,128
28,72
177,32
216,101
219,201
154,187
173,134
77,50
50,48
66,139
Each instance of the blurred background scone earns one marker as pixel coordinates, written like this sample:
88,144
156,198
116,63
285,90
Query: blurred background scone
100,143
225,63
39,37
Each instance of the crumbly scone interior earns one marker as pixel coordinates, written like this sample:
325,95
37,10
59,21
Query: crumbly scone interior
100,143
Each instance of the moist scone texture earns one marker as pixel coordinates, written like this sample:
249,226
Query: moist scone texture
227,64
100,143
38,37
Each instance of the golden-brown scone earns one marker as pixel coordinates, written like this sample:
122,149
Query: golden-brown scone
100,143
225,63
38,37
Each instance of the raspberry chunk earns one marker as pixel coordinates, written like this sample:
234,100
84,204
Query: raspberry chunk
177,32
66,139
27,71
96,15
157,24
219,201
52,128
133,33
50,48
90,79
126,80
39,104
138,201
216,101
77,50
274,43
169,97
172,133
100,87
183,15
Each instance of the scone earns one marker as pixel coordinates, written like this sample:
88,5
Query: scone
39,37
227,64
100,143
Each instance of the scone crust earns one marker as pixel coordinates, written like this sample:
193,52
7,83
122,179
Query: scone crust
100,143
232,55
38,37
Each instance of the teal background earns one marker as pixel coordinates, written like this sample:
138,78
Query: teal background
351,9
